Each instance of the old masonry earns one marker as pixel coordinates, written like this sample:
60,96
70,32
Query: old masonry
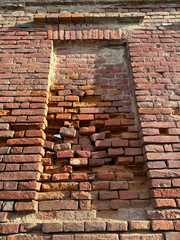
90,120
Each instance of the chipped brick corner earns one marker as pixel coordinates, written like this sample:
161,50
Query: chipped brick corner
90,120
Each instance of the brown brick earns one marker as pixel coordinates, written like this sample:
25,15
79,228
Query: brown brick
117,226
26,206
9,228
172,235
52,227
162,225
106,195
95,226
142,236
139,225
58,205
78,162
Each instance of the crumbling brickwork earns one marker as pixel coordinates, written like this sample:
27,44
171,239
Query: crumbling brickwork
89,120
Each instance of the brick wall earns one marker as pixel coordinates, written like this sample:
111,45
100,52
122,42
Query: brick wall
89,124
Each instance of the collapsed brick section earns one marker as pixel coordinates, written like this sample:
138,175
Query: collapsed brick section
94,153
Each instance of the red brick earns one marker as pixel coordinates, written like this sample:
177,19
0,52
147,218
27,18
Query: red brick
105,176
161,139
166,193
83,154
78,162
31,150
133,151
26,206
112,122
87,130
100,186
65,154
97,136
139,225
9,228
162,156
18,195
6,134
25,141
79,177
85,186
30,226
158,225
35,133
63,237
60,177
52,227
73,226
23,158
128,195
172,235
101,144
95,226
119,143
49,145
124,176
115,152
118,185
58,205
18,176
62,147
99,154
142,236
117,226
107,195
67,132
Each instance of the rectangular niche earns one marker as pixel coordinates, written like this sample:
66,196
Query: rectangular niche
92,121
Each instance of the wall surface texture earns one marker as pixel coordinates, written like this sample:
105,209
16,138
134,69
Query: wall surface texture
89,120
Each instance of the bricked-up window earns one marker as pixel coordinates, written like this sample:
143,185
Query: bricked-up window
98,159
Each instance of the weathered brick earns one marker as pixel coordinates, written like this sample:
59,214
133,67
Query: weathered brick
106,195
26,206
95,226
139,225
73,226
172,235
117,226
9,228
22,158
158,225
58,205
30,227
65,154
52,227
141,236
78,162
